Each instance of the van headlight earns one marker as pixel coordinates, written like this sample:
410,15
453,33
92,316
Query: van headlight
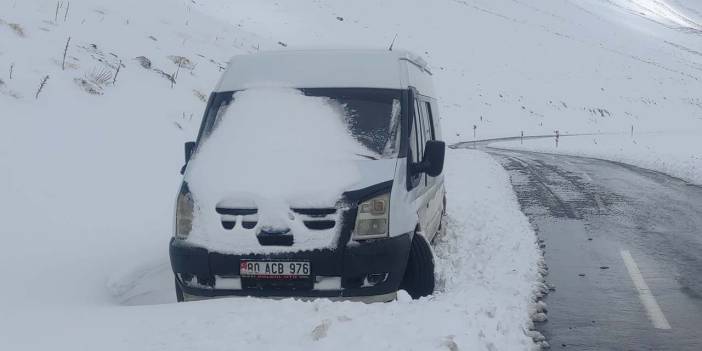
184,215
372,218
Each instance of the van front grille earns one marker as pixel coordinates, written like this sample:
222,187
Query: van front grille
318,218
236,211
230,216
312,218
315,212
319,225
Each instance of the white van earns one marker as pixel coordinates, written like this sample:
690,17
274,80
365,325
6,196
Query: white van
366,242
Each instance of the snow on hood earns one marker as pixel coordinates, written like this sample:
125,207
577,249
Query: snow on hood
275,148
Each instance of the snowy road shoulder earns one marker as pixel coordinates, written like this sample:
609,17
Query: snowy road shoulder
487,271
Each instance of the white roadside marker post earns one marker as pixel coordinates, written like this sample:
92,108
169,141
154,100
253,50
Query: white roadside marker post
475,139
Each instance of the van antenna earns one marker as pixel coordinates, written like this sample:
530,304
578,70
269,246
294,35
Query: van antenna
393,42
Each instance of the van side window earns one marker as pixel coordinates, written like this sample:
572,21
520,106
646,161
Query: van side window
426,122
416,143
429,119
421,139
413,143
436,127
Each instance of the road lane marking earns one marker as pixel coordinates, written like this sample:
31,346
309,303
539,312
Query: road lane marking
655,314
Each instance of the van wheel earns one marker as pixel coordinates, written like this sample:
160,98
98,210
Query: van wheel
179,291
419,274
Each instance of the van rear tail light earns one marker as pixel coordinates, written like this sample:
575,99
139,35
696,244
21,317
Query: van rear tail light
184,215
372,218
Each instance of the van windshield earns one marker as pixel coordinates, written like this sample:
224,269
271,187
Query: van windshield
372,116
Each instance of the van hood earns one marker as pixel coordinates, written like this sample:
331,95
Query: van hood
368,173
372,172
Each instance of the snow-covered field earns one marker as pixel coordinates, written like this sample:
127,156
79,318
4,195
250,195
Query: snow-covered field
83,289
91,134
676,154
507,66
89,172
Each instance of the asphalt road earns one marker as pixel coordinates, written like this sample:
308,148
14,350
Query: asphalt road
624,250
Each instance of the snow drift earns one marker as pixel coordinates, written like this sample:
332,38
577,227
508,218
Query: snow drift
486,270
88,180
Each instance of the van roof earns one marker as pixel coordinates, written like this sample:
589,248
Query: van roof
338,68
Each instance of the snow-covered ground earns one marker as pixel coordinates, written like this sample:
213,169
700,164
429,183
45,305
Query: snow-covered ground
89,172
89,163
676,154
507,66
80,289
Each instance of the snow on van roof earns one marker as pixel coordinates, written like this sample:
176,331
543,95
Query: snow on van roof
328,68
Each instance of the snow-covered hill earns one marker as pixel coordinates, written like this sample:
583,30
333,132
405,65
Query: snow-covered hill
507,66
89,163
94,158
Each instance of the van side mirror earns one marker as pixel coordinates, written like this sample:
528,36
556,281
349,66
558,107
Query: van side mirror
189,148
433,162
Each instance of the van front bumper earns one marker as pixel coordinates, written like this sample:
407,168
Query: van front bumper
370,271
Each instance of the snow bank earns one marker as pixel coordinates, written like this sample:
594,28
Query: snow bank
88,180
676,154
486,270
275,149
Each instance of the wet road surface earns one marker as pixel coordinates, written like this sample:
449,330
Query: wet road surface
624,250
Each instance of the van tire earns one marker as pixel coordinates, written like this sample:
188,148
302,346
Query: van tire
419,274
178,291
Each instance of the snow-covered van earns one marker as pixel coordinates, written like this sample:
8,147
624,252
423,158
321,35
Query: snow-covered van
315,173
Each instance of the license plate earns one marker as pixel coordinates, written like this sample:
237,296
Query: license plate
274,269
